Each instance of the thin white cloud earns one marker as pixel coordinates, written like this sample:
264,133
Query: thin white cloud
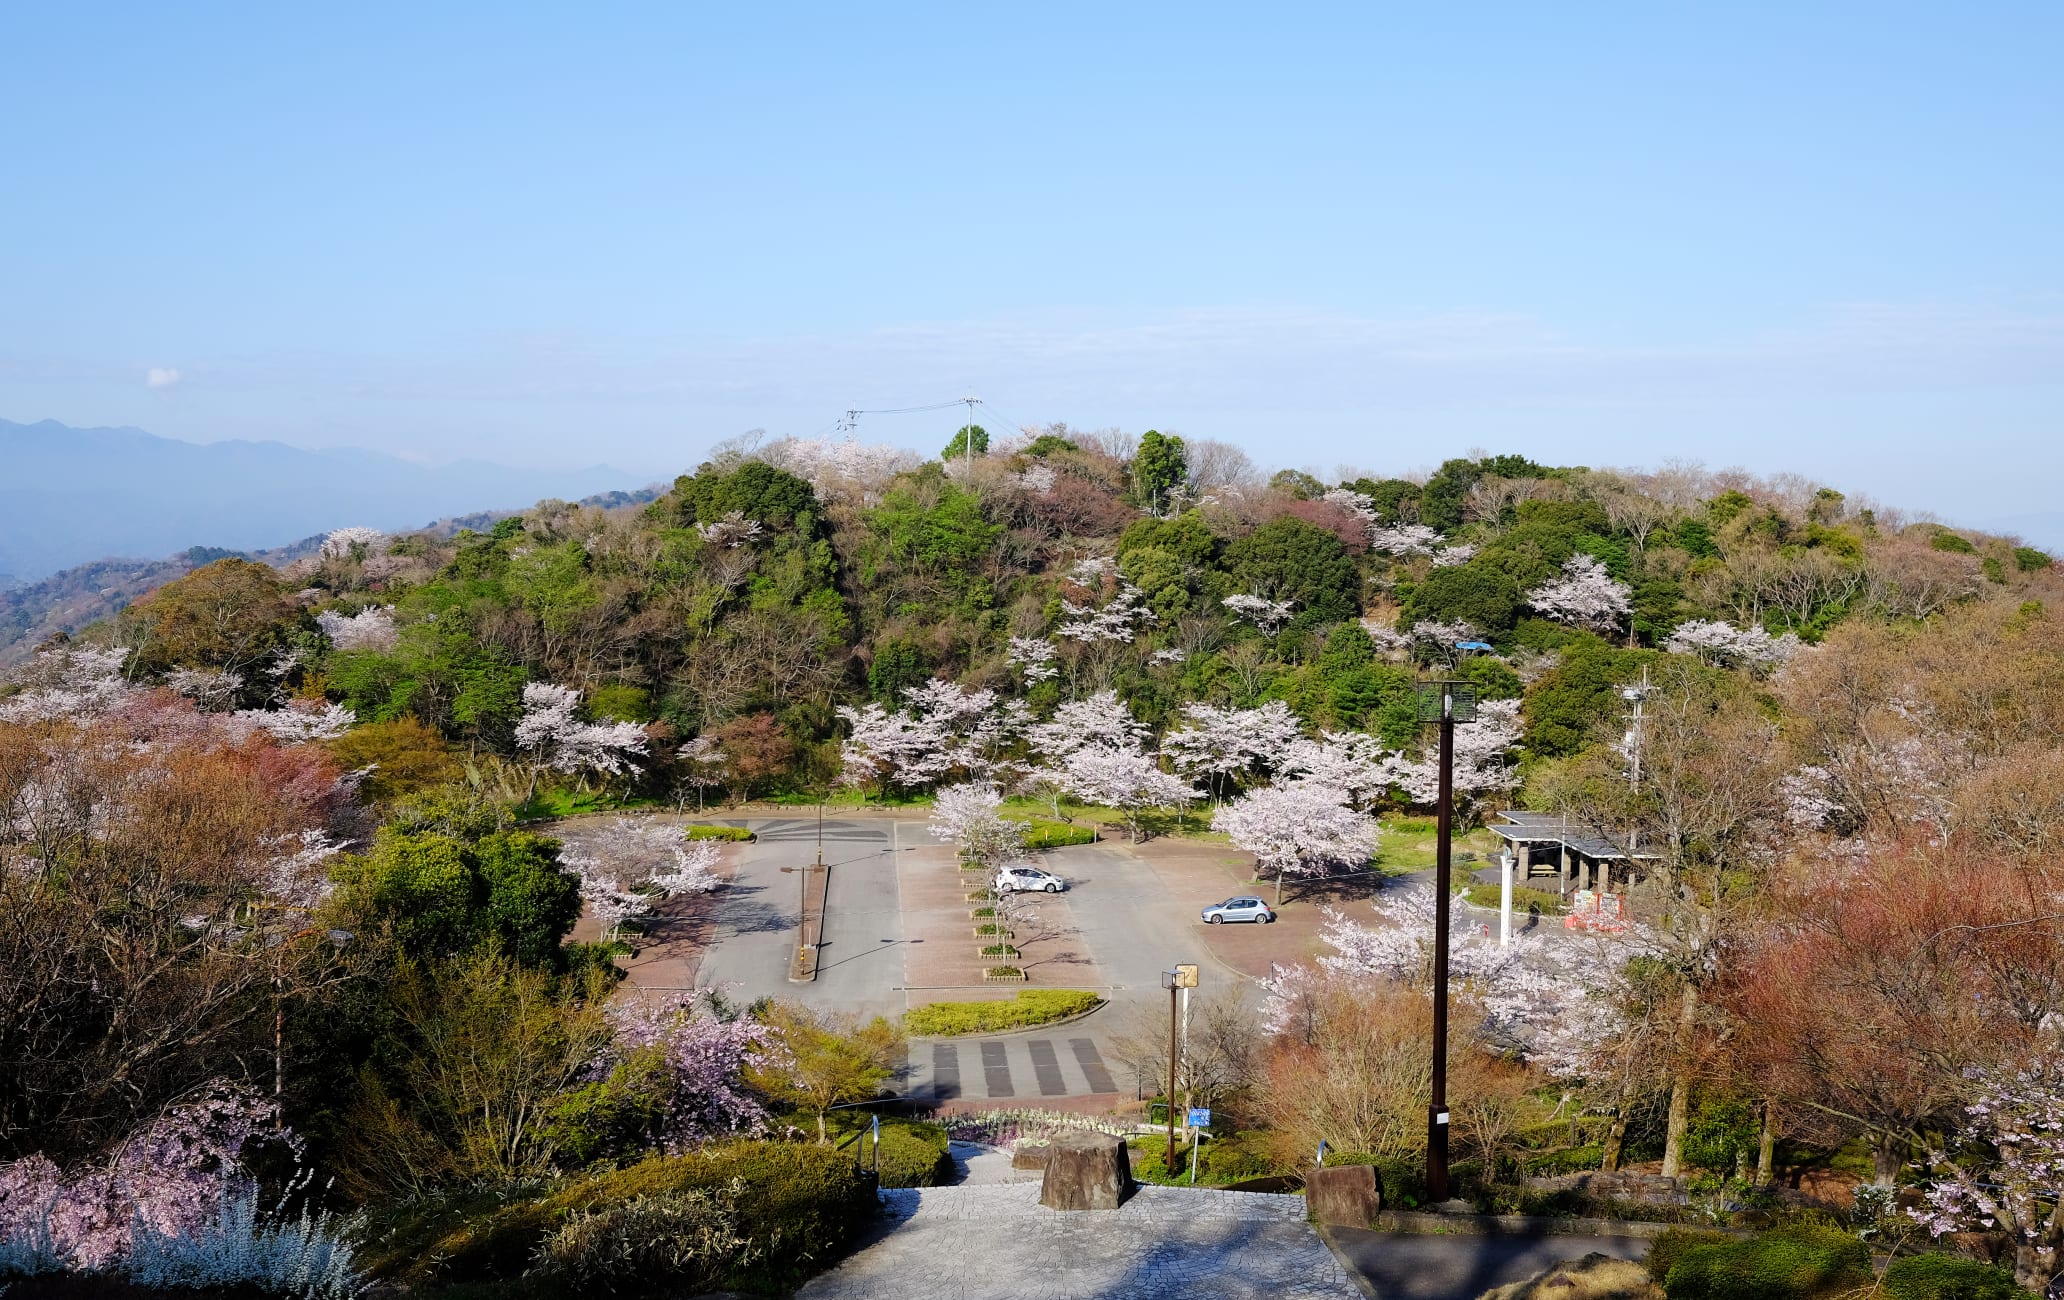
160,377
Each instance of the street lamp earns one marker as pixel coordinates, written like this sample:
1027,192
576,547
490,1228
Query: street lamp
1445,703
1178,982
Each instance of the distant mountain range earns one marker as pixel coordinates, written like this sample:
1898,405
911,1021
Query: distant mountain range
72,496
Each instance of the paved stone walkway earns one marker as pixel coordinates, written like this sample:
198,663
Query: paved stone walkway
994,1241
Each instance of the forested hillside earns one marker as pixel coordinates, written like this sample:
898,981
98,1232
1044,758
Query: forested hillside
763,592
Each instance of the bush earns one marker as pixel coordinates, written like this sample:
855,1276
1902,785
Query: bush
1570,1160
1029,1007
717,833
1671,1244
682,1241
1054,835
1949,1277
1237,1158
807,1201
1788,1264
914,1155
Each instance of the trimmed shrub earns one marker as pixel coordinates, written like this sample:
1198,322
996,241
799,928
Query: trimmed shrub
1054,835
677,1240
1797,1263
1949,1277
914,1155
804,1203
737,833
1029,1007
1237,1158
1670,1245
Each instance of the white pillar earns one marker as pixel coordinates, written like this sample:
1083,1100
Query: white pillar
1504,900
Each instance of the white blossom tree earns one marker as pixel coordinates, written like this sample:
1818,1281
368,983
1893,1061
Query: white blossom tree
944,728
1034,657
1351,762
1483,750
2011,1174
1125,779
1114,611
731,532
559,741
1731,646
1584,596
970,817
350,543
371,628
1267,615
1226,743
1297,829
631,864
301,721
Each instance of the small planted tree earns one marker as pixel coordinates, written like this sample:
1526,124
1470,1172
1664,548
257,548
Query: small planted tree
826,1060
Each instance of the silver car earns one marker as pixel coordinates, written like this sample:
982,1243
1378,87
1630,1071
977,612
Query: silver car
1240,909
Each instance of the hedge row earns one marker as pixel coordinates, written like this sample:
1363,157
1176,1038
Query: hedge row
1029,1007
718,833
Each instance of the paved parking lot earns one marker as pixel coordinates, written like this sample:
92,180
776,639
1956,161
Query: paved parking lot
897,934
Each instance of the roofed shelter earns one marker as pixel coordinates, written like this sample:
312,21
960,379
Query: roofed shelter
1564,846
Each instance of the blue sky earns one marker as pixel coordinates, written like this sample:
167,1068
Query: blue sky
1822,238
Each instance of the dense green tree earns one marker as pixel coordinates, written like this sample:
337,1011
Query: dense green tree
772,497
232,614
1297,483
1289,559
1396,500
1159,466
1571,702
958,447
897,666
1471,593
443,895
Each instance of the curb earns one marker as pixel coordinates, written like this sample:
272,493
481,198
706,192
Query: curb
1042,1028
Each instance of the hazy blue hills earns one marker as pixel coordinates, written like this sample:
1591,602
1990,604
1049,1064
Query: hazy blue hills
69,496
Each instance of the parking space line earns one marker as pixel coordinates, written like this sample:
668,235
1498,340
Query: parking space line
996,1075
1092,1063
1046,1068
945,1071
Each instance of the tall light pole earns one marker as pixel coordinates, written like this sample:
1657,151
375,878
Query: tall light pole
1445,703
1177,982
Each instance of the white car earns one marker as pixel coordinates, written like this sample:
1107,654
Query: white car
1012,880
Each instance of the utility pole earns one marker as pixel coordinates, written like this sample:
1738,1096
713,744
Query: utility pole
970,431
1446,703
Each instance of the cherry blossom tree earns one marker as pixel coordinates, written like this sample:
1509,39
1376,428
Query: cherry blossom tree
560,742
68,682
944,728
1221,743
1267,615
704,1053
970,816
840,468
1122,778
211,689
2010,1175
1440,637
350,543
1400,539
302,721
1584,596
1299,828
1730,646
1101,720
1103,618
1483,750
731,532
169,1177
631,864
371,628
1352,763
1034,657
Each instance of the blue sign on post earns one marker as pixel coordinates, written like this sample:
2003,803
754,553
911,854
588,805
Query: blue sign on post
1200,1117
